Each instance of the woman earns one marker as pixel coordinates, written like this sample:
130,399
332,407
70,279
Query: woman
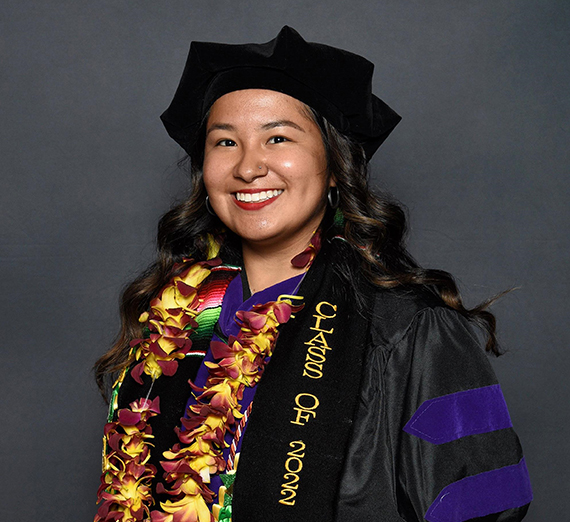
284,313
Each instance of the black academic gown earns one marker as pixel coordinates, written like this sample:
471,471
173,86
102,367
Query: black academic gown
417,350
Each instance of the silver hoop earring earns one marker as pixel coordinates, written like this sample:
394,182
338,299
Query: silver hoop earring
333,197
209,207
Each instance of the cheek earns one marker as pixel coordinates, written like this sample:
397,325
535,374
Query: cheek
304,166
210,177
212,166
208,184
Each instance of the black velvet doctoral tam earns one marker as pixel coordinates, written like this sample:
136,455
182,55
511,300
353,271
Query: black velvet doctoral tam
335,83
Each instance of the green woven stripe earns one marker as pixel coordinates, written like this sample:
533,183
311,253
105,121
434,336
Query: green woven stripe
206,320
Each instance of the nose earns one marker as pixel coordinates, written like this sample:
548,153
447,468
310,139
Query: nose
251,164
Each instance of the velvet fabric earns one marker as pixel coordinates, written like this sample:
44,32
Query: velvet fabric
293,451
335,83
414,349
227,326
482,494
420,350
460,414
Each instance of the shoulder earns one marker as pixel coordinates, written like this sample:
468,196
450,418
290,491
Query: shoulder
413,331
395,311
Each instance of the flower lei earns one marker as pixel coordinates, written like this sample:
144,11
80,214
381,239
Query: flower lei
242,362
125,491
125,484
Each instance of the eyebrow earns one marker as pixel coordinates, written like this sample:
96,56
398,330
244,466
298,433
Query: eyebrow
281,123
220,126
267,126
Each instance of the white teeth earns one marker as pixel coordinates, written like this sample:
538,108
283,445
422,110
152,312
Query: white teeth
256,197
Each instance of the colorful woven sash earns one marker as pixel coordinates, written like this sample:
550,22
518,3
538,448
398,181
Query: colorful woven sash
211,295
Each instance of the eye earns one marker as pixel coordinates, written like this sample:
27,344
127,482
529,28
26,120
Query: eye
226,143
277,139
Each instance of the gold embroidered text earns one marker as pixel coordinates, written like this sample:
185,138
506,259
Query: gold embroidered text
318,345
293,465
306,403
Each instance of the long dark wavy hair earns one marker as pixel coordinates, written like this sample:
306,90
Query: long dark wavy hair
374,226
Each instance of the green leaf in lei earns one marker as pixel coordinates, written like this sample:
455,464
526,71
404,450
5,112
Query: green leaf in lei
225,514
228,479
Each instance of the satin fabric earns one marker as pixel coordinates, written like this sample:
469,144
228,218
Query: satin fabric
418,350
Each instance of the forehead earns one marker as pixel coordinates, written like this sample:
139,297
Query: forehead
258,103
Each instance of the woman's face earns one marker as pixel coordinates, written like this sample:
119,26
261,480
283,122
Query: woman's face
265,168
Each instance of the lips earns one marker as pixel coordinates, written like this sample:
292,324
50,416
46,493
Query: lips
256,200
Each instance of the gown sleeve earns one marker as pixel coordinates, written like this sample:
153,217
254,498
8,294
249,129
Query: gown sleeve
455,456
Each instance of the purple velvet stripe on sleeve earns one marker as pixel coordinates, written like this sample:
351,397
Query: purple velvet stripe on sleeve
460,414
480,495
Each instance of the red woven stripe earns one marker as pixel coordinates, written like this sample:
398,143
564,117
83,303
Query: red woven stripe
211,293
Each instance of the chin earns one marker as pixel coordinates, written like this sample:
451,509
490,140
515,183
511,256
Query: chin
258,231
259,239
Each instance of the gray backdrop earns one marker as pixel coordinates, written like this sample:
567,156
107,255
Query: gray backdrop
480,158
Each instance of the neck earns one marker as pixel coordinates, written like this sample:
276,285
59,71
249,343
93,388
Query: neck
268,266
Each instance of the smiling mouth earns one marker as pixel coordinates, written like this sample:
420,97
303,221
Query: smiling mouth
257,197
